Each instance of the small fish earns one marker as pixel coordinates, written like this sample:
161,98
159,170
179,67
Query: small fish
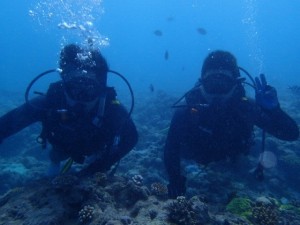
201,31
158,33
151,88
166,55
67,166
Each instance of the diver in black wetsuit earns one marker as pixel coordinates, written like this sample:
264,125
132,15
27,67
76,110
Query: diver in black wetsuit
81,117
217,121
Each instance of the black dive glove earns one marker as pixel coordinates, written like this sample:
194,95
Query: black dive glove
266,95
177,187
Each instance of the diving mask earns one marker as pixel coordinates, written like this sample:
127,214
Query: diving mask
218,82
81,85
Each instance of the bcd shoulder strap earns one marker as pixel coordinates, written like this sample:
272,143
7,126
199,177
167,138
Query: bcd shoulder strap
54,100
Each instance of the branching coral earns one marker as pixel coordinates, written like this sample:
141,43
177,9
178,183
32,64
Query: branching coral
159,189
180,212
86,214
138,180
187,212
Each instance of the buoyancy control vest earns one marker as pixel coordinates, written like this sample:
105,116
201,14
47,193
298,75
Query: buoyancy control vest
227,131
70,130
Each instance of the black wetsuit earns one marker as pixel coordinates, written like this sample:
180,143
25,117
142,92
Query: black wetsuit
71,131
207,134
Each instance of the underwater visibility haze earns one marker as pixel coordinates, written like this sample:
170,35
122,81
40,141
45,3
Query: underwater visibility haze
159,46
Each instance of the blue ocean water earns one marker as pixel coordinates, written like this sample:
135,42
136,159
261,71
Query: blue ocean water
157,43
263,35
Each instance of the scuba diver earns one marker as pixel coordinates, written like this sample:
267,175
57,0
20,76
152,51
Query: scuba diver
217,120
81,117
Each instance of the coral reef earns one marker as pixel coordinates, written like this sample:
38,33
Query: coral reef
265,212
188,212
240,206
100,179
291,162
138,180
159,189
86,214
64,181
127,193
290,166
137,193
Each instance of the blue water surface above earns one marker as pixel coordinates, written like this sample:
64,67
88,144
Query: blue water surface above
264,35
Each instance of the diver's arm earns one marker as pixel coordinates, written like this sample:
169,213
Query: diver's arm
21,117
277,123
125,136
269,115
176,185
172,147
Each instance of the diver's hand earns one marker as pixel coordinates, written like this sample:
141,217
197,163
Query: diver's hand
177,188
266,95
